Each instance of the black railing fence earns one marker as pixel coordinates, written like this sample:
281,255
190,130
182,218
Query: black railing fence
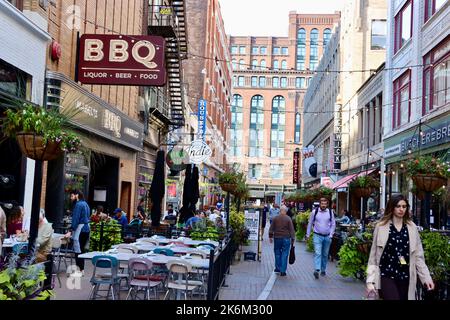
219,266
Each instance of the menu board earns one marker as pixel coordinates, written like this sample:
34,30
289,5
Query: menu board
252,223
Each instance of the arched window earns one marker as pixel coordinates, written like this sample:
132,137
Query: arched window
301,36
234,64
314,36
263,65
284,65
326,36
276,64
236,125
254,64
242,64
278,127
256,142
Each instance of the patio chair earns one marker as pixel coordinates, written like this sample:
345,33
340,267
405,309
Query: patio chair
140,277
179,278
110,277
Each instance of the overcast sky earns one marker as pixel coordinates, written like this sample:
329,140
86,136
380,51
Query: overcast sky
269,17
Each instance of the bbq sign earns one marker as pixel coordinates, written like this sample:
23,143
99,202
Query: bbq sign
121,60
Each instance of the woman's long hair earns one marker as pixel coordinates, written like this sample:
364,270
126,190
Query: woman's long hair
389,212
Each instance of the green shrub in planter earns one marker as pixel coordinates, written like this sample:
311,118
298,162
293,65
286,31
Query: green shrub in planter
437,254
301,222
112,234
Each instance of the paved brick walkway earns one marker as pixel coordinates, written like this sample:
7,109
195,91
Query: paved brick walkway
248,279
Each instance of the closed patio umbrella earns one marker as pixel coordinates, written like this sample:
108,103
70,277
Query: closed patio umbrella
187,190
157,188
195,189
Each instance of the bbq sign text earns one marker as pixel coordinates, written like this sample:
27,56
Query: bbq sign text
121,60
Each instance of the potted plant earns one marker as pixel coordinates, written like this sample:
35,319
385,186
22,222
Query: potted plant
354,255
104,234
228,181
23,281
428,173
363,186
436,249
42,134
301,222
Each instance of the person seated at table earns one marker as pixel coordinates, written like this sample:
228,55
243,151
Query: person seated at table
99,215
345,219
15,221
44,238
136,220
121,217
190,223
171,216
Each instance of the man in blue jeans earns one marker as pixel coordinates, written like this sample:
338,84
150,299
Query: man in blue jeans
282,229
323,223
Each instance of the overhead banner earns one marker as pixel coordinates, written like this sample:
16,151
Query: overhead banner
121,60
201,119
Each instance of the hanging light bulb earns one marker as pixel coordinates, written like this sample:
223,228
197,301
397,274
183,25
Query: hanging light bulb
401,165
409,151
393,173
421,133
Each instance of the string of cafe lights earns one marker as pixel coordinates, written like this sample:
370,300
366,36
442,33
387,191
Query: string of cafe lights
327,71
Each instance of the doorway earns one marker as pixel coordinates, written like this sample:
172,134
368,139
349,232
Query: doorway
125,198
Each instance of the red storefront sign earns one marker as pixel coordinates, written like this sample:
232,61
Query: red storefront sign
121,60
295,170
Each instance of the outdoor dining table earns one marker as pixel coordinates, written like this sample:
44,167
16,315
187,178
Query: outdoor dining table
144,247
186,241
10,242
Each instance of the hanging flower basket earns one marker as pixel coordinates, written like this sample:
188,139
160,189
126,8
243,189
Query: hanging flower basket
229,187
362,192
428,183
32,145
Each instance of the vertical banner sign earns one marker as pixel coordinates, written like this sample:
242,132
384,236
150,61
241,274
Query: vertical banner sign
201,119
337,138
252,223
295,170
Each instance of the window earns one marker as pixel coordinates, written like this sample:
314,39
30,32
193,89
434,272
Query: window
301,52
240,81
275,82
254,64
234,49
256,126
254,171
276,171
236,125
314,36
242,49
301,36
300,65
254,82
255,50
379,32
402,103
284,51
241,64
284,65
283,81
263,65
297,128
431,6
14,81
235,83
234,64
300,82
278,127
326,36
313,65
263,50
436,89
262,82
276,50
403,26
314,54
276,64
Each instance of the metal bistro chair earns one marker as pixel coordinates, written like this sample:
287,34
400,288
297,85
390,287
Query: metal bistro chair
202,274
123,266
110,277
140,277
179,278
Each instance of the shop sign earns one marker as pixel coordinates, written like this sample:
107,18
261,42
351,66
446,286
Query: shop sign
436,135
326,182
121,60
100,119
201,119
177,159
337,138
296,167
199,152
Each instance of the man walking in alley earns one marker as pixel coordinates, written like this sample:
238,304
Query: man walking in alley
282,229
323,224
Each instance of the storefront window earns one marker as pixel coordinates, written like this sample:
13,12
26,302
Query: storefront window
14,81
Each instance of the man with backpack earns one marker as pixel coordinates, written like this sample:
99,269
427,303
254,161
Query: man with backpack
323,223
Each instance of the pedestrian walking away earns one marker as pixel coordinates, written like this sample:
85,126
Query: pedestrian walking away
282,230
322,224
396,258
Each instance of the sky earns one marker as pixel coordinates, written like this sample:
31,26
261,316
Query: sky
269,17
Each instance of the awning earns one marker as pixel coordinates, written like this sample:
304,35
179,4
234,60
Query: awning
343,183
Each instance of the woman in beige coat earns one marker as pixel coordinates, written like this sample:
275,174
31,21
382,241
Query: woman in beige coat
396,257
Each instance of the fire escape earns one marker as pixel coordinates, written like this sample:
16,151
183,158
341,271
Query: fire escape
169,21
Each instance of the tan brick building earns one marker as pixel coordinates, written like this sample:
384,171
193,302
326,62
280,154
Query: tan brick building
271,75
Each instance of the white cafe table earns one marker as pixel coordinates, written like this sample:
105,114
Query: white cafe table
186,241
144,247
10,242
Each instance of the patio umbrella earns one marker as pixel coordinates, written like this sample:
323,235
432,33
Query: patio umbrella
157,188
187,190
195,190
